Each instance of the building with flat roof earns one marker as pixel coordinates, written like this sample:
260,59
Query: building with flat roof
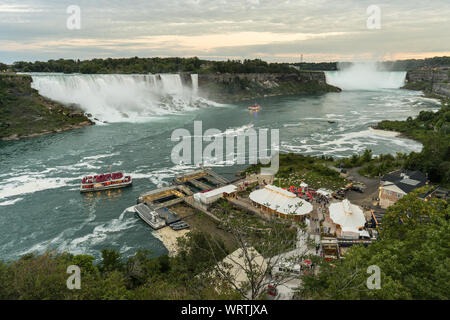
211,196
280,202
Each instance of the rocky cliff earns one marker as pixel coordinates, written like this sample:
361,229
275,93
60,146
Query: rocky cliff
227,87
431,81
25,113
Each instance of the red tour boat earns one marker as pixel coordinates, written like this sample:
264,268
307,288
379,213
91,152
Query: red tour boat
254,107
105,181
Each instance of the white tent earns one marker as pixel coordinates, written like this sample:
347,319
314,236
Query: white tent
237,263
281,200
348,216
304,185
325,192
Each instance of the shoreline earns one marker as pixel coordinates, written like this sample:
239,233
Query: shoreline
169,238
386,133
16,137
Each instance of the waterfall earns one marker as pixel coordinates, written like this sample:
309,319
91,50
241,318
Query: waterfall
194,79
120,98
172,83
365,76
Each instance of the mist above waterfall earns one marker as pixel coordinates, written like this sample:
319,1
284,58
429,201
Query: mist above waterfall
122,98
365,76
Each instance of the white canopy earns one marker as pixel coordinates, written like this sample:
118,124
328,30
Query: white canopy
364,233
304,185
281,200
349,216
237,262
325,192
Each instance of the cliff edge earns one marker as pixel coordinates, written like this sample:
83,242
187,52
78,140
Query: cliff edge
232,87
430,81
25,113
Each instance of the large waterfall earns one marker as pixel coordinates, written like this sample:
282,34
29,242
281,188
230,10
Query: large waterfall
365,76
121,98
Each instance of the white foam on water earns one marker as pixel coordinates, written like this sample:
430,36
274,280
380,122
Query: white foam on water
101,156
351,142
29,184
10,202
81,245
98,235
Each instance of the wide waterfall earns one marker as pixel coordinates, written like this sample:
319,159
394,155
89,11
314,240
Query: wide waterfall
121,98
365,76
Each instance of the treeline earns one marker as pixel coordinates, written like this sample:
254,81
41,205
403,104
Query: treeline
196,65
411,256
396,65
152,65
317,66
413,64
43,277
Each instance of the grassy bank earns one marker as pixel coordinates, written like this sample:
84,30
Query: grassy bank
23,112
296,168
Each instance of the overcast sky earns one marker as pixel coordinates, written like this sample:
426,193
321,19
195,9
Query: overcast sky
273,30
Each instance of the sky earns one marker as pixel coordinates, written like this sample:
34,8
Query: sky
272,30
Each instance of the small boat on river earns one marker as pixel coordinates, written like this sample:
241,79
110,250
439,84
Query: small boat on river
255,107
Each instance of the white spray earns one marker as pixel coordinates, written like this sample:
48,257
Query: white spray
365,76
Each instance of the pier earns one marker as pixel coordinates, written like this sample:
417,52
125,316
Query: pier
154,206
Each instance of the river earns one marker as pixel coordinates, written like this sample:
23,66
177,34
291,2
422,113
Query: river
42,209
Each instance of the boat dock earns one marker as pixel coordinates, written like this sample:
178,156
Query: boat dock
203,179
154,206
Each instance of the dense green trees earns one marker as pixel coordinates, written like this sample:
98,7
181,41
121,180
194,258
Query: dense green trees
113,277
152,65
413,64
413,256
317,66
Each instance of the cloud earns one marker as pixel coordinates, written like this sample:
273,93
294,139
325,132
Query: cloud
273,29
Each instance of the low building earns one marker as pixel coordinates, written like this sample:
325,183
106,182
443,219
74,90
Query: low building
211,196
435,192
349,219
282,203
397,184
330,248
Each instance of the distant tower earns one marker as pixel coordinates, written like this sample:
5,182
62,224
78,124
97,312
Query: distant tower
301,58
